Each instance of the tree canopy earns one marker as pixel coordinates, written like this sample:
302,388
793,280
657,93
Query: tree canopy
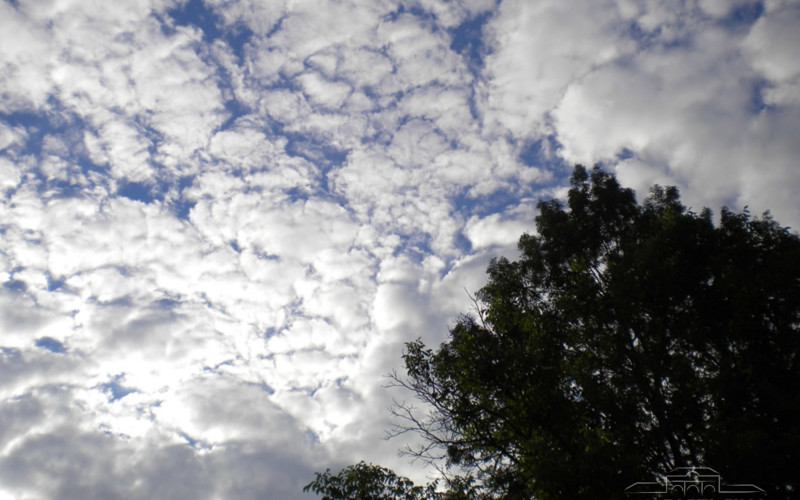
627,340
364,481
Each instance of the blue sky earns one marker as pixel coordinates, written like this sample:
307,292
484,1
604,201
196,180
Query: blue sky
221,219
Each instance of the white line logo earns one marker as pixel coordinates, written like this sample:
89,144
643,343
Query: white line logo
694,482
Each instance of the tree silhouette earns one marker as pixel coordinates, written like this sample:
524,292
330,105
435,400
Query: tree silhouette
627,340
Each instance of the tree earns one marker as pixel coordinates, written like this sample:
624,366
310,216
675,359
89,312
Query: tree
373,482
366,482
627,340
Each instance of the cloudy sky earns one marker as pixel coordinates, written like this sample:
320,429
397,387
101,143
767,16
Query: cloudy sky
221,219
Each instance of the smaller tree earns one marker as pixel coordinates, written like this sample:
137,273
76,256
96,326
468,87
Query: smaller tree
364,481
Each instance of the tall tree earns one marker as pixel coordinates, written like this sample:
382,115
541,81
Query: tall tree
628,339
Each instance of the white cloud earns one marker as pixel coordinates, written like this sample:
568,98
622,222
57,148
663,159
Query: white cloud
27,54
539,48
261,17
64,459
10,175
686,127
244,147
769,45
11,137
420,55
325,93
494,230
330,173
123,148
721,8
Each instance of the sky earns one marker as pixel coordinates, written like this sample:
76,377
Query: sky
220,220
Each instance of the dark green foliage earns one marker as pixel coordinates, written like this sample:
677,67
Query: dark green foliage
628,339
366,482
372,482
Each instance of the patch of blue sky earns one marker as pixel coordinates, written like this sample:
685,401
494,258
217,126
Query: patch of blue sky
312,436
743,16
757,103
467,40
237,37
315,150
137,191
54,284
156,189
10,354
195,443
621,156
182,206
648,39
51,345
496,202
154,136
168,303
235,108
216,369
263,386
59,189
540,153
115,390
543,153
625,154
310,391
36,124
472,102
68,129
15,285
197,13
462,244
297,193
319,153
264,255
415,246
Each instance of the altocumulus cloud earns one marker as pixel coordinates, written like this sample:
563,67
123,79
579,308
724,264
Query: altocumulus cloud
220,220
